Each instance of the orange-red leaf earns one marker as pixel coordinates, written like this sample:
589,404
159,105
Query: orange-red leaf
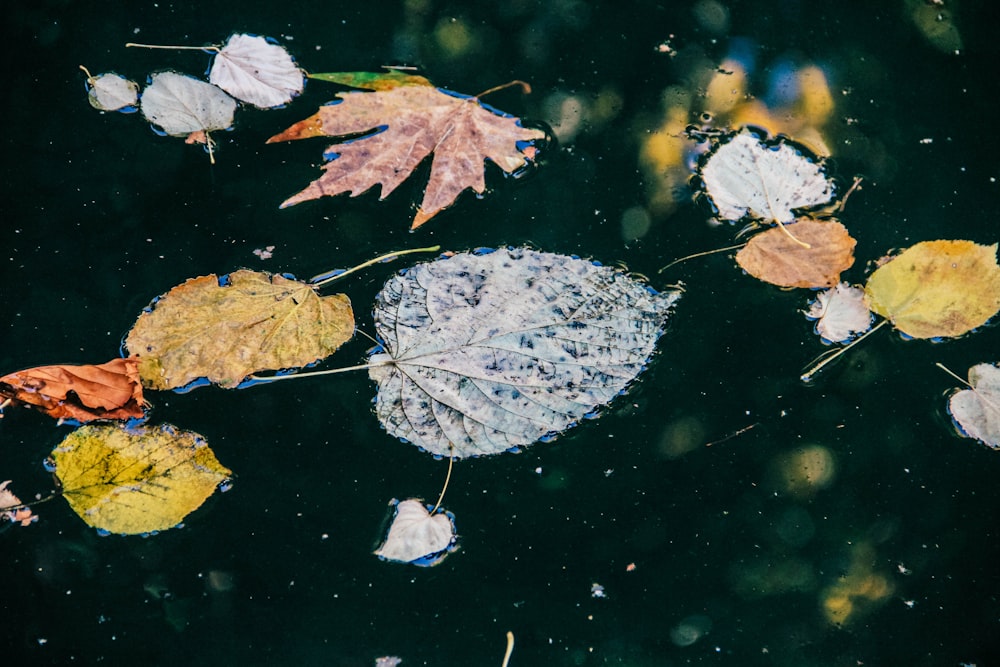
404,124
774,257
83,393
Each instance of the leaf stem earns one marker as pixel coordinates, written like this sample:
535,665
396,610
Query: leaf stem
451,464
510,649
525,88
296,376
951,373
816,368
212,48
700,254
330,276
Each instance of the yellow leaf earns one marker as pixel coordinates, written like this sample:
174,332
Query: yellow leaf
136,480
254,321
937,288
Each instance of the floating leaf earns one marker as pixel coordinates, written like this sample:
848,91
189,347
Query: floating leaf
8,501
256,71
416,536
489,351
840,313
937,288
183,106
224,329
83,393
746,176
404,120
815,257
136,480
111,92
977,410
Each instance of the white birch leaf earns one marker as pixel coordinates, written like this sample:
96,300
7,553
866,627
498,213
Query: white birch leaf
766,180
416,536
488,351
181,105
256,71
840,313
112,92
977,410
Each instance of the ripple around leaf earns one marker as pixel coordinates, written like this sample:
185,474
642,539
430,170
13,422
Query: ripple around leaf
490,352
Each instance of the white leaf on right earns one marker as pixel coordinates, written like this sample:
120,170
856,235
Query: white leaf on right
112,92
977,410
181,105
767,180
840,313
256,71
416,536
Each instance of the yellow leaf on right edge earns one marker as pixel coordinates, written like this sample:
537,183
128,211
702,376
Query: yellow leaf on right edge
136,480
937,288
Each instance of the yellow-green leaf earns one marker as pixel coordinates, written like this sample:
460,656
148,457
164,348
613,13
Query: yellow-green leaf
136,480
937,288
225,330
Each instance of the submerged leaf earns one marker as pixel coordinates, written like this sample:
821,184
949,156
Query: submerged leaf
489,352
181,105
253,70
83,393
977,410
937,288
774,257
746,176
136,480
404,121
225,329
416,536
840,313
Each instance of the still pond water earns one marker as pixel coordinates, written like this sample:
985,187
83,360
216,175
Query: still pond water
848,525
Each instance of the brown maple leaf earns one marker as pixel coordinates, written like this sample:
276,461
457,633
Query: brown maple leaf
406,119
83,393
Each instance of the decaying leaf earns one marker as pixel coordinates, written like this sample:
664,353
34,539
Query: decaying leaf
111,92
840,313
182,106
224,329
8,501
977,410
747,176
775,257
136,480
493,350
416,536
404,120
83,393
257,71
937,288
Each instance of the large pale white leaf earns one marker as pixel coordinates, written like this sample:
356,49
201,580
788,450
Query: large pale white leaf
254,70
977,410
746,176
417,536
179,105
490,351
840,313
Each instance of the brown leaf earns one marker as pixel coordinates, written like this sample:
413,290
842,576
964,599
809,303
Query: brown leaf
84,393
418,120
774,257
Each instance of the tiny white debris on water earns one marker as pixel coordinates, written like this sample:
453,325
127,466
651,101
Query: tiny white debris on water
596,590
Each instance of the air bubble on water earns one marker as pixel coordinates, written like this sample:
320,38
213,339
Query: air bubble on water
225,485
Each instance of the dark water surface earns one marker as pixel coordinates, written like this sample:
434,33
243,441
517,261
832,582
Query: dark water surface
725,554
